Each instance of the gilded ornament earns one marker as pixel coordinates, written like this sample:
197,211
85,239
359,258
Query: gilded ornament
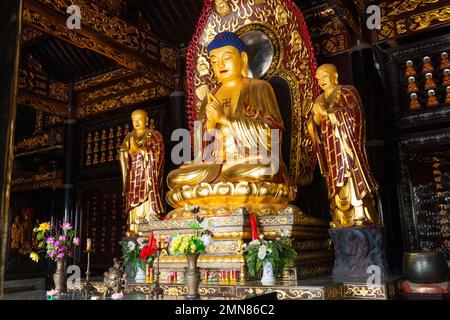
202,66
281,15
222,7
425,20
296,41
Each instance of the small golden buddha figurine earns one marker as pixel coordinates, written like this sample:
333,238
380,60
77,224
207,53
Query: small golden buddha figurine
446,79
89,149
89,138
337,128
111,133
412,85
447,96
432,101
119,132
445,63
142,163
103,157
96,147
103,134
16,234
243,115
427,66
95,161
126,130
110,156
414,104
429,82
96,137
111,145
103,147
88,160
410,71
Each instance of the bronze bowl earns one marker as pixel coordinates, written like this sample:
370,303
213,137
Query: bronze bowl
425,267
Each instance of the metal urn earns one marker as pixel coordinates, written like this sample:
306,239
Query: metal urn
115,279
425,267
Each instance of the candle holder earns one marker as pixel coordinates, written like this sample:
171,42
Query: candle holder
158,291
87,288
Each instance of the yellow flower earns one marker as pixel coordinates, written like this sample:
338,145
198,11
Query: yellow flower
183,247
44,226
34,256
193,247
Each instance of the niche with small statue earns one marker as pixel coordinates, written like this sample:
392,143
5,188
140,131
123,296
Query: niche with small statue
427,81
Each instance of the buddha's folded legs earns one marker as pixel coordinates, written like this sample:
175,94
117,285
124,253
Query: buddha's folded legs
192,174
250,172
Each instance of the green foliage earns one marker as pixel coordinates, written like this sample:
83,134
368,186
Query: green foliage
130,257
278,252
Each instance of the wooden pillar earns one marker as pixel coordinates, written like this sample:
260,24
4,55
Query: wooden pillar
10,26
70,143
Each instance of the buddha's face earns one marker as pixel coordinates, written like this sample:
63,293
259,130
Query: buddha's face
227,63
139,119
326,78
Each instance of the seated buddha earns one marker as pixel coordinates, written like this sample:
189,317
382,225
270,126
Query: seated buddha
237,138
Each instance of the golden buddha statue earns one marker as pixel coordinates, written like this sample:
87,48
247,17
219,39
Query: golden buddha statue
27,231
241,116
16,234
142,163
337,128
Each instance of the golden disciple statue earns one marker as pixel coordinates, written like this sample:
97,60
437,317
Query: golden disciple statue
337,128
142,163
243,120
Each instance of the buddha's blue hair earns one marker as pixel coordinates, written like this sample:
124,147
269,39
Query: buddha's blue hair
227,39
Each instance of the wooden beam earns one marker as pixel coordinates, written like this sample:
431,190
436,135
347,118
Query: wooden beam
41,103
107,34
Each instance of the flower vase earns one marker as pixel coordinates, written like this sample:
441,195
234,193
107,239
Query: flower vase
140,275
60,276
268,276
192,273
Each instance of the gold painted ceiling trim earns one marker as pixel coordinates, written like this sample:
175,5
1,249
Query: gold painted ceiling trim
105,34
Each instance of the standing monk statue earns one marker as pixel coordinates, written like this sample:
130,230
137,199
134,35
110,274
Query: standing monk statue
337,128
142,162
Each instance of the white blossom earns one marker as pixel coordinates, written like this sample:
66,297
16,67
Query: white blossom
285,233
131,245
140,241
261,236
207,240
254,243
262,252
207,224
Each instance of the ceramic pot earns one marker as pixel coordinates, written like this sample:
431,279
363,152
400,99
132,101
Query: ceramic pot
425,267
268,277
140,275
